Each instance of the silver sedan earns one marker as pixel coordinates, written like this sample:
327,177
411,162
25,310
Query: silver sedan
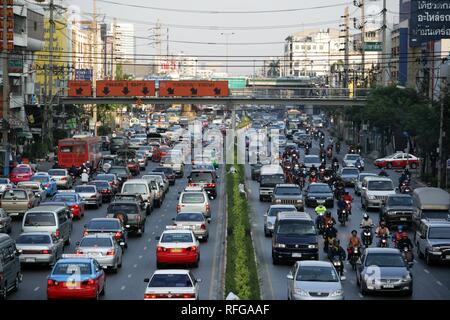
102,248
314,280
194,221
39,248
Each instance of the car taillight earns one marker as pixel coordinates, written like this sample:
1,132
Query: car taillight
161,249
63,179
78,252
51,283
89,282
208,208
211,185
203,227
192,249
45,252
58,234
85,233
110,253
107,190
118,235
178,208
188,295
149,296
75,207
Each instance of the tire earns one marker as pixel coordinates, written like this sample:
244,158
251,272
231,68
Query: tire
389,165
16,283
361,289
413,166
419,254
261,198
275,261
266,233
4,295
115,269
428,260
102,293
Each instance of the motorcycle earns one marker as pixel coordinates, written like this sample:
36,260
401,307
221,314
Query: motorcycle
405,187
322,145
335,166
338,192
342,216
323,158
355,254
307,150
321,173
338,148
408,255
327,179
383,241
339,266
348,206
367,236
329,153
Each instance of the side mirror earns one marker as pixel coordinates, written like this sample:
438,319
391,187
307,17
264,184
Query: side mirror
209,220
147,280
157,238
127,226
290,276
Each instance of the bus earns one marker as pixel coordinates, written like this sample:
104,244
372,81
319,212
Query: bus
78,151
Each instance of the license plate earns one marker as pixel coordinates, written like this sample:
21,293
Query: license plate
388,286
30,260
176,250
71,284
447,257
296,255
320,201
403,219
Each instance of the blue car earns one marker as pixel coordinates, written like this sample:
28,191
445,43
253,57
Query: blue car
47,183
71,200
76,277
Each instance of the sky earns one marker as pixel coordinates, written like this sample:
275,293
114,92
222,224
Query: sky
240,24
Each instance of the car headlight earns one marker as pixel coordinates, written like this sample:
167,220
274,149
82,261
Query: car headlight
278,201
371,197
337,293
391,213
301,292
299,201
406,278
435,249
312,246
312,198
280,245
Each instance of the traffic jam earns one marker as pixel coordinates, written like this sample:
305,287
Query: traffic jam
55,228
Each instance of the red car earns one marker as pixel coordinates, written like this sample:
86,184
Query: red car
160,152
398,160
177,246
76,277
21,173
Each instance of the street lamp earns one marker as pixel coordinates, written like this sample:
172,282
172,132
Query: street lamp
227,34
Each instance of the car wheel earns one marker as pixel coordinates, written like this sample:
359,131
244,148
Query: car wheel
275,261
261,198
266,233
428,260
389,165
16,283
413,165
419,254
115,269
361,289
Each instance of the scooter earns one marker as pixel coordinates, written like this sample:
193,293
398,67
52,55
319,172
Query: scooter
342,216
367,237
355,254
384,241
339,266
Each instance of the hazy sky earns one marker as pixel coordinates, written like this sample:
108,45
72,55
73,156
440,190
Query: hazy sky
146,18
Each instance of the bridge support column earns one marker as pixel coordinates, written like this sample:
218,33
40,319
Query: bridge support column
309,109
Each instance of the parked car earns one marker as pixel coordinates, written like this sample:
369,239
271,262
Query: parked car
173,284
89,283
9,266
103,248
16,202
39,248
90,195
398,160
314,280
383,270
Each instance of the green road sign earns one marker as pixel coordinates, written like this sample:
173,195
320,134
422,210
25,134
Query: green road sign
373,46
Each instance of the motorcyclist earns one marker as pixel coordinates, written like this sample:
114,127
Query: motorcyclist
336,250
404,177
382,231
338,147
348,198
353,242
73,171
398,234
328,218
366,221
358,163
84,176
404,241
313,168
383,173
330,233
320,211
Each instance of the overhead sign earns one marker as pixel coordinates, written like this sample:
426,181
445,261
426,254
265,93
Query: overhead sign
430,20
125,88
80,88
373,46
83,74
202,88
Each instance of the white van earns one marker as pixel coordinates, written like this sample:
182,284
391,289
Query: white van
142,187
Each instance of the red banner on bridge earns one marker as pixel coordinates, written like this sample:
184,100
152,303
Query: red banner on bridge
78,88
125,88
201,88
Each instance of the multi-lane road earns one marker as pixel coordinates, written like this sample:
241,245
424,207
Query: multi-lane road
139,259
430,282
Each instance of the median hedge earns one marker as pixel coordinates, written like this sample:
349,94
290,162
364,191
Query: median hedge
241,273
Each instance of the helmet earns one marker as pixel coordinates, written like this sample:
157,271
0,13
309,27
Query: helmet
328,214
383,223
84,171
366,216
354,232
400,228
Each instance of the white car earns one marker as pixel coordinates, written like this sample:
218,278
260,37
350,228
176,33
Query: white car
350,160
194,201
5,184
311,160
62,178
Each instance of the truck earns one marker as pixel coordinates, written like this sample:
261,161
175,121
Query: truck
270,176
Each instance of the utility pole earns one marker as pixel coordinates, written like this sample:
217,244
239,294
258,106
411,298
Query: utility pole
363,39
346,37
441,130
94,61
5,79
113,48
48,113
384,67
226,34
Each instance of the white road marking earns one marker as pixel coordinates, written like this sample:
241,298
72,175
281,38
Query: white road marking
149,239
140,257
352,281
36,289
426,271
360,295
135,266
439,283
145,248
122,288
152,234
130,275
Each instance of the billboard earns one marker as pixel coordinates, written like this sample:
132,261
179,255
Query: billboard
430,20
83,74
125,88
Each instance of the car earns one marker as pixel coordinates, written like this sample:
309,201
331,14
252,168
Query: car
5,222
256,169
175,163
21,173
398,160
16,202
350,160
375,191
433,241
143,188
206,179
148,151
157,189
168,172
160,177
128,158
288,194
117,143
62,177
39,248
349,175
103,248
5,184
358,184
383,270
35,187
142,159
111,179
194,221
106,143
106,162
314,280
90,195
9,266
73,201
319,193
47,182
105,189
271,215
302,139
75,277
173,284
108,226
177,246
311,160
397,210
131,211
194,201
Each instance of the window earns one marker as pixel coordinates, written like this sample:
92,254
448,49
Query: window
170,281
321,47
40,219
72,268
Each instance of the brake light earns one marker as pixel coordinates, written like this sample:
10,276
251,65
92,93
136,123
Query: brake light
203,227
193,249
161,249
110,253
51,282
63,179
85,233
178,208
45,252
118,235
57,233
208,208
75,207
211,185
78,252
149,296
188,295
89,282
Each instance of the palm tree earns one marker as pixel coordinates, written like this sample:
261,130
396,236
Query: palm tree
274,69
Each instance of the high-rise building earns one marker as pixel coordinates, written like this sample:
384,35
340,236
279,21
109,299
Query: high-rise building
125,42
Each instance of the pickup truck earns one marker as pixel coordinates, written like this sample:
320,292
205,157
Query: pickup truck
130,211
16,202
174,163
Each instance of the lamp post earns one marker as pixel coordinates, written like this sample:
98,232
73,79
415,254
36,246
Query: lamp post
227,34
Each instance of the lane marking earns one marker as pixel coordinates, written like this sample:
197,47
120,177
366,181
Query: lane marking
426,271
130,275
140,257
122,288
439,283
152,234
135,266
36,289
149,239
145,248
360,295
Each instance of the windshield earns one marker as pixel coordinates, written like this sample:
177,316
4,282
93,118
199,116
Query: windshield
105,177
201,177
118,140
352,157
96,242
21,170
103,224
296,228
40,219
439,233
170,281
40,178
3,181
64,198
28,186
123,207
57,172
385,260
118,170
362,176
177,237
182,217
317,274
17,194
193,197
274,211
350,172
400,201
288,191
312,160
100,184
272,179
164,170
380,186
84,189
319,189
72,269
34,239
135,188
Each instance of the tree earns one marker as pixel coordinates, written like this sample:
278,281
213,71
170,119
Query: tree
274,69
